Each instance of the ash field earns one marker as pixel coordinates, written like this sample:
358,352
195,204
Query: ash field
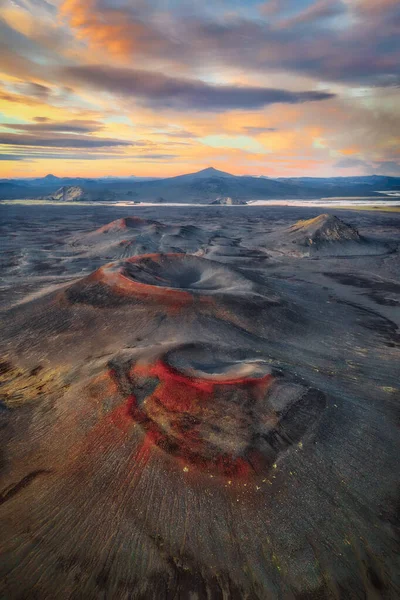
199,403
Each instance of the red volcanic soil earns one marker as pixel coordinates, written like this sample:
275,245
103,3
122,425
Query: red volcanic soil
116,278
173,279
125,223
173,414
139,236
219,421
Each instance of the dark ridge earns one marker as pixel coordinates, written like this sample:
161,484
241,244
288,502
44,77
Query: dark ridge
12,491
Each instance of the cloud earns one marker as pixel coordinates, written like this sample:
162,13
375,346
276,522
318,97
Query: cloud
292,35
162,91
16,98
272,7
36,90
68,156
180,133
45,125
389,168
125,28
351,163
29,156
154,156
323,9
42,93
258,130
72,141
361,54
23,56
11,157
35,5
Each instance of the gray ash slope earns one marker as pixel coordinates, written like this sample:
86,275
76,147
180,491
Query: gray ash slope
175,426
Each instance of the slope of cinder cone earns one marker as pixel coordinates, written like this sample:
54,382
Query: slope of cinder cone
166,279
324,228
325,235
124,224
131,236
161,296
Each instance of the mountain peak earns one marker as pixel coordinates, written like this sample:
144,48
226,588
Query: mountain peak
203,174
208,170
211,171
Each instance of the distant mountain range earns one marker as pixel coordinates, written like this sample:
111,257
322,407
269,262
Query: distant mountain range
206,186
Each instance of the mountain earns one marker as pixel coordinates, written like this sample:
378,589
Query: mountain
203,187
208,173
13,190
210,185
358,185
75,193
51,178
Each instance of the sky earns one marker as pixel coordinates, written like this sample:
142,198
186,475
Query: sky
163,87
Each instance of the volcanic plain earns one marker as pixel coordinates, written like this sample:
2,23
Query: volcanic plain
199,403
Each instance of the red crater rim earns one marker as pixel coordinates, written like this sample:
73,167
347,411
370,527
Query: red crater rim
172,279
126,223
222,411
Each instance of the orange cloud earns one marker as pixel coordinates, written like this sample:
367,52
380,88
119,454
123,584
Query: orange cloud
349,151
115,31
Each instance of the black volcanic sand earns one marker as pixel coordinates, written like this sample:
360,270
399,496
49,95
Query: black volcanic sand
209,416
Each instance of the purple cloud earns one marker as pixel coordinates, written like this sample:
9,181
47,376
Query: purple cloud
72,141
161,91
45,125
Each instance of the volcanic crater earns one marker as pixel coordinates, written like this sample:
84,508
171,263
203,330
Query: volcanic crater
133,236
221,410
161,278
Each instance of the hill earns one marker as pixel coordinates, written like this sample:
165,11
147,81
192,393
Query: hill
324,235
76,193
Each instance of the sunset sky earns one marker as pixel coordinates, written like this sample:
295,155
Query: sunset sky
163,87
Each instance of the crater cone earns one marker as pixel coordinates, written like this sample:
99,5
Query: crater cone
218,409
324,228
325,235
126,223
132,236
162,278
